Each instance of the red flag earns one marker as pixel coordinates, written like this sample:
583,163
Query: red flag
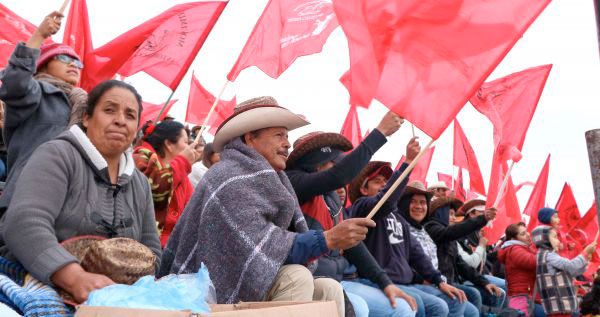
508,206
151,111
368,25
568,212
78,35
200,101
510,103
286,30
441,54
13,29
459,190
464,157
351,127
523,184
537,199
447,179
163,47
589,223
419,172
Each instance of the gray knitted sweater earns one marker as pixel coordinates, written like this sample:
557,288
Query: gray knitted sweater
241,223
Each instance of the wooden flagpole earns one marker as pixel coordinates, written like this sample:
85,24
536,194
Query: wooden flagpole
503,186
212,109
63,7
164,107
399,180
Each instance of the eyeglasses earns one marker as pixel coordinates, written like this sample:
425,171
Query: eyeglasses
68,60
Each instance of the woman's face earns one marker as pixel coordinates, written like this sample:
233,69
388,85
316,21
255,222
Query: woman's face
175,148
523,235
555,221
553,237
215,158
418,207
452,215
112,126
63,70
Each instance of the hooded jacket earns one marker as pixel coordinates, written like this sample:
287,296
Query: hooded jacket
520,264
65,191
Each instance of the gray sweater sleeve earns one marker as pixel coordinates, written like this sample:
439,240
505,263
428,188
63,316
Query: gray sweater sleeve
574,267
18,88
37,202
149,230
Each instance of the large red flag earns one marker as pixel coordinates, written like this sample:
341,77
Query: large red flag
286,30
419,172
568,212
510,103
78,35
13,29
368,25
163,47
447,179
151,111
589,223
537,199
464,157
351,127
200,101
441,54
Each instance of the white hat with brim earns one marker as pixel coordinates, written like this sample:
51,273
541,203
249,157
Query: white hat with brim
256,114
437,185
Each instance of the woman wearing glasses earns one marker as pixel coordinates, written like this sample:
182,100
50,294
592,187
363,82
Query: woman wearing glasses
39,96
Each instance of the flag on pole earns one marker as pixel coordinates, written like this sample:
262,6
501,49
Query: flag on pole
464,157
351,127
78,35
200,102
537,199
151,111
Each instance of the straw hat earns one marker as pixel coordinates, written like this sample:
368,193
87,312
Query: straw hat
372,169
469,205
436,185
123,260
317,140
417,188
255,114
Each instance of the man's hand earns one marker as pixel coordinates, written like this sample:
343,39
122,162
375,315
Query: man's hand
589,249
49,26
390,123
483,241
494,290
392,292
453,292
490,214
348,233
79,283
412,149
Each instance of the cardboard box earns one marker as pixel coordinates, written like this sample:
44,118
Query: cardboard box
250,309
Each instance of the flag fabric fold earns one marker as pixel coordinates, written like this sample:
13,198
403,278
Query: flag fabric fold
464,157
77,34
419,172
200,102
568,211
351,127
447,179
151,111
286,30
441,53
509,103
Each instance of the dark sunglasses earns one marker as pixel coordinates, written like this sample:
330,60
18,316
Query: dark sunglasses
68,60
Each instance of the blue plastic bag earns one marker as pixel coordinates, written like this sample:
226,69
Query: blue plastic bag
172,292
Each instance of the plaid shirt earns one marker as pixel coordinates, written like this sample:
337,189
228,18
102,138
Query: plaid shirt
556,290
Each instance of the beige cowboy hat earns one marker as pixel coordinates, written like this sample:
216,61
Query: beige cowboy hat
436,185
372,169
317,140
417,188
123,260
453,202
470,205
255,114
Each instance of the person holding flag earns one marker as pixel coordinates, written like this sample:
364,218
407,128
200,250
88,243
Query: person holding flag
40,97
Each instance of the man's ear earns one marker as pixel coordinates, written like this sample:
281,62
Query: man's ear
364,191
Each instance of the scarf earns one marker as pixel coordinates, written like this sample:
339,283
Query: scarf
243,213
404,208
77,96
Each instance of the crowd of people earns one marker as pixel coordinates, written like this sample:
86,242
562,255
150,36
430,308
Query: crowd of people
269,224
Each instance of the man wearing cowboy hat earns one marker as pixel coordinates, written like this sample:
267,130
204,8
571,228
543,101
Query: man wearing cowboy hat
244,223
392,244
316,168
439,189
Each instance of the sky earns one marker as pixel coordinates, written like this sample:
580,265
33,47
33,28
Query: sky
564,35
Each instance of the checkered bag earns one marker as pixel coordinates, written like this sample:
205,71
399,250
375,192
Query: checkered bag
556,290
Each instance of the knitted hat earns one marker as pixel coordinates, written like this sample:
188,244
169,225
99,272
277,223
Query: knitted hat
255,114
123,260
541,237
318,144
370,171
48,51
545,215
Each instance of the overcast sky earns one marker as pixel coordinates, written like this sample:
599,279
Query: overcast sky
564,35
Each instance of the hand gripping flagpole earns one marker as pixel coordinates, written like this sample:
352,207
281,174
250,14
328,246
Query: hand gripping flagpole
212,109
503,186
399,180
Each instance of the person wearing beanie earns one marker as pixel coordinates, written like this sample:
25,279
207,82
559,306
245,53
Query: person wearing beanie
39,96
554,274
548,216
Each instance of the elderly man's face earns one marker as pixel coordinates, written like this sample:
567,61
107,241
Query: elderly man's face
272,143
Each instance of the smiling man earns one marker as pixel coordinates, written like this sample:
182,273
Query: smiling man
244,222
